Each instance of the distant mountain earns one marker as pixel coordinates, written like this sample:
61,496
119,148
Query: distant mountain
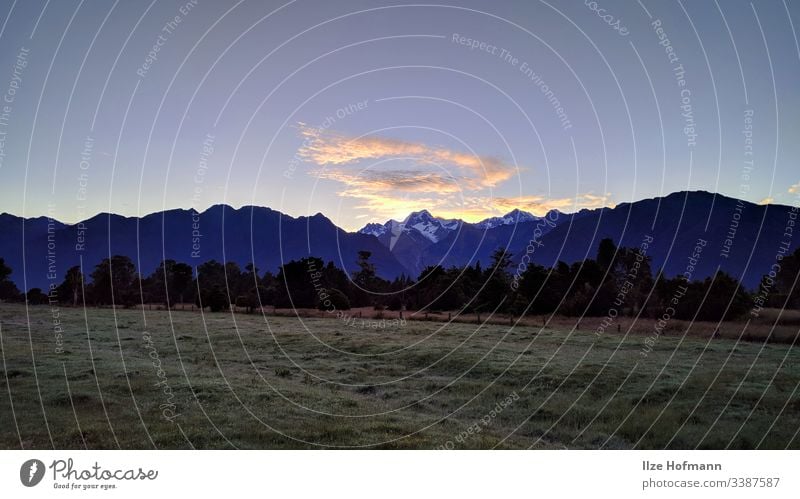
421,223
422,239
513,217
374,229
249,234
434,228
742,238
676,222
407,240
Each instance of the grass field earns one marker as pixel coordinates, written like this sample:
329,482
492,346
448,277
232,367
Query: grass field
247,381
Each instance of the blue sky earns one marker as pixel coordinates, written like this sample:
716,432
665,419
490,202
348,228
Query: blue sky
369,110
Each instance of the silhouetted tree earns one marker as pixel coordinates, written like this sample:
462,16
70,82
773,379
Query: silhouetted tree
786,285
497,289
70,291
35,296
170,283
114,282
215,299
583,298
335,300
8,290
249,289
606,251
540,288
440,289
210,281
725,298
299,283
633,269
267,290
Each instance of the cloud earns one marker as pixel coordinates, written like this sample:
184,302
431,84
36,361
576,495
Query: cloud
387,180
468,208
794,188
449,183
767,200
382,207
436,165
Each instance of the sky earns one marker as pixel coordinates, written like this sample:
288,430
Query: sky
369,110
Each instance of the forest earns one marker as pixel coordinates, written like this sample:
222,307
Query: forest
618,281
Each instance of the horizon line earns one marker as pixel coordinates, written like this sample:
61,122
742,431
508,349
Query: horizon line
295,217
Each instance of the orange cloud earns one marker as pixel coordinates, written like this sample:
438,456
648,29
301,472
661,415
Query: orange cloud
470,208
449,183
325,148
386,180
382,207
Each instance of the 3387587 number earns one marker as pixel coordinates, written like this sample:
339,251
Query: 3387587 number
754,482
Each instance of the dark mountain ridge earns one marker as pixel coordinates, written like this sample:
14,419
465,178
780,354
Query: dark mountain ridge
220,233
742,239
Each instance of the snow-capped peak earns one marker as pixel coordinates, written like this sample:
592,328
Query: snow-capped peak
420,222
427,225
515,216
373,229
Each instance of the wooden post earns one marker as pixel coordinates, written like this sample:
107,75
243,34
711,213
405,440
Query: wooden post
618,328
449,317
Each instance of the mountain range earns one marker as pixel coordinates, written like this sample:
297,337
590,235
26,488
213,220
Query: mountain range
740,237
421,239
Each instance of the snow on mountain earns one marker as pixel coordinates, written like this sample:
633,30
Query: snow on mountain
513,217
427,225
419,222
434,229
374,229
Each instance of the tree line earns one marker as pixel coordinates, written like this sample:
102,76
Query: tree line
618,281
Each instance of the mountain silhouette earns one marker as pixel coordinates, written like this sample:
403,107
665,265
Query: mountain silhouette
676,222
249,234
742,238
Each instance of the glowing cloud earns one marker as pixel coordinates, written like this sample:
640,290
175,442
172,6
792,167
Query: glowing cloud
471,172
450,183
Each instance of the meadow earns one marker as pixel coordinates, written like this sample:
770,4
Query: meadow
131,378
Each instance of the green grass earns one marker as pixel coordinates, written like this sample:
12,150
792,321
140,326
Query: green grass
247,381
